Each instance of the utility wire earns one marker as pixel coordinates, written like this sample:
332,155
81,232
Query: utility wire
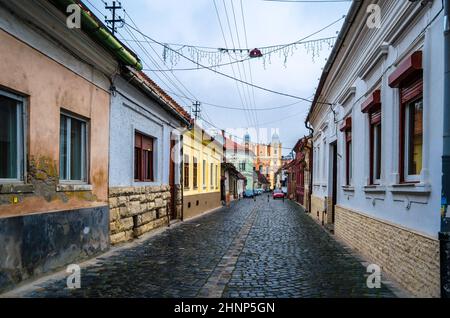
248,62
226,75
232,68
247,88
310,1
275,47
238,108
175,77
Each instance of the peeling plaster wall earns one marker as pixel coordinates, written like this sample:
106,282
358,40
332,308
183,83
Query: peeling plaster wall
49,87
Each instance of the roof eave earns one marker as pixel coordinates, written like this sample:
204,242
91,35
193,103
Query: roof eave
350,18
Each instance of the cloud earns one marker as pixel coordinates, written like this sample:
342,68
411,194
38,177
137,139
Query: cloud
267,23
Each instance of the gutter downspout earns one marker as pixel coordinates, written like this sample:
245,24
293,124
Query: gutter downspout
444,235
95,28
311,171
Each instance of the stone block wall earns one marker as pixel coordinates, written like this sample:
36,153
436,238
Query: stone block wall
135,211
408,257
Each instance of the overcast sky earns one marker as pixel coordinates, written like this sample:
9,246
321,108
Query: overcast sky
195,22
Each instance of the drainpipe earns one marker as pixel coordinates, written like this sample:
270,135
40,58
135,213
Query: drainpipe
444,235
311,171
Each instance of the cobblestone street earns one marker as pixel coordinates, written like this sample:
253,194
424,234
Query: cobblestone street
250,250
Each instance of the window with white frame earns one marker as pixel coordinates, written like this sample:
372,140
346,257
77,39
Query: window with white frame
211,175
204,173
319,164
73,149
11,137
324,163
217,176
348,144
408,78
413,139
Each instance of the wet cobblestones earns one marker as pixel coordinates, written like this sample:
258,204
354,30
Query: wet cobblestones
286,254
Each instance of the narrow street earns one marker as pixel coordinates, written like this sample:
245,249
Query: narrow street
250,250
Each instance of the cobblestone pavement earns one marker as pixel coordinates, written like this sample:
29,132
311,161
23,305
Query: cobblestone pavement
250,250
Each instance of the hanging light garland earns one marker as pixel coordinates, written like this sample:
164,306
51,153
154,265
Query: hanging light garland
215,56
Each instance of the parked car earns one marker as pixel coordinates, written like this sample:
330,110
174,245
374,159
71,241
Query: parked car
249,194
259,191
278,194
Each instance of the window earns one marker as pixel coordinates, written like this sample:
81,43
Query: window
242,166
217,176
408,78
204,173
211,175
347,130
349,157
411,130
319,162
195,177
375,158
143,158
186,171
372,107
324,163
413,139
72,149
11,137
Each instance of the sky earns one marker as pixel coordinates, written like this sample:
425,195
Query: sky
267,23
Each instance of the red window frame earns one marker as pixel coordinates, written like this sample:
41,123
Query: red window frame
143,161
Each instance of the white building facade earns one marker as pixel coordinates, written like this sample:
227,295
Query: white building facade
378,121
146,128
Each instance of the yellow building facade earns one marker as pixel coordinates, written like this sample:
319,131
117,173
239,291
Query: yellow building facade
202,157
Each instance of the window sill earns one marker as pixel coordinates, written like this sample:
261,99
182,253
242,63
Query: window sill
16,188
73,187
348,188
375,189
411,188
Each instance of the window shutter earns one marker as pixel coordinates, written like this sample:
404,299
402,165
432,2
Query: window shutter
375,117
412,91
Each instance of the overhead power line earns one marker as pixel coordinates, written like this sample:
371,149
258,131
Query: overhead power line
236,108
310,1
224,74
247,59
171,52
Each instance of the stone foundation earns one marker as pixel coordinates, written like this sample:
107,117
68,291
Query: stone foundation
409,258
318,209
135,211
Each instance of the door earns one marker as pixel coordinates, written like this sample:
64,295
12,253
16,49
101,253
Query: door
172,201
301,185
334,181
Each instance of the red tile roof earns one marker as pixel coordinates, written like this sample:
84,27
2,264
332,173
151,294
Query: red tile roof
169,100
